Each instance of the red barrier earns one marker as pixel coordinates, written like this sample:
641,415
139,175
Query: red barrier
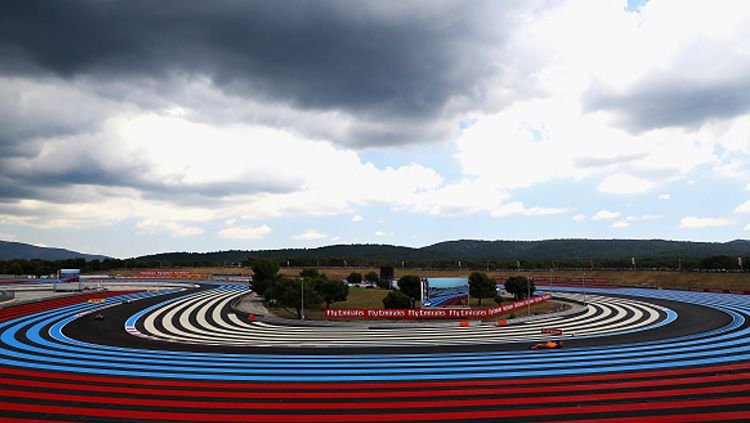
164,273
502,279
720,291
430,313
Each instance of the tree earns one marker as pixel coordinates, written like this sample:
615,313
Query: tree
331,290
722,262
287,293
354,278
265,274
15,268
396,299
481,286
520,286
410,285
309,273
372,277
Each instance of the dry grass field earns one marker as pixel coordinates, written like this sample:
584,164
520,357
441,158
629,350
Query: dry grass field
682,280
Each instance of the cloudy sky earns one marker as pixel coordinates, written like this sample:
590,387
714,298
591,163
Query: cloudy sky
133,127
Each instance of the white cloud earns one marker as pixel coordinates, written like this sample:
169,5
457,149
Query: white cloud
544,211
177,165
743,208
357,218
309,234
555,137
187,171
517,207
624,223
605,215
178,230
466,196
693,222
747,227
651,217
382,233
625,184
242,232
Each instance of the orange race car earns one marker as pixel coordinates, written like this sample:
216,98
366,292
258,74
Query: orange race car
549,345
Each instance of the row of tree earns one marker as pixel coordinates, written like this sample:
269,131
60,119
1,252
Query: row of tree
371,278
716,263
480,286
312,289
46,267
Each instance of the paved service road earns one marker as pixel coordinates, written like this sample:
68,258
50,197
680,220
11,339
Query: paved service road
180,360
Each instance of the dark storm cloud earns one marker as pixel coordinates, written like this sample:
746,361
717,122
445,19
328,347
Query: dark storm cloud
19,181
376,60
355,73
664,101
34,185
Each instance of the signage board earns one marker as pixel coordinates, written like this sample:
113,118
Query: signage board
431,313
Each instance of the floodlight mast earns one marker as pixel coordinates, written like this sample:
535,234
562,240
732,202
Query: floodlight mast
583,282
528,296
302,299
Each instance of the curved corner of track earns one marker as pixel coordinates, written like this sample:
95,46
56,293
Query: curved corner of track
184,355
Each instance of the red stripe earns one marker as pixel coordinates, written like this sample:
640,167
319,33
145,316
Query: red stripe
675,418
365,385
451,415
27,309
252,394
14,420
442,403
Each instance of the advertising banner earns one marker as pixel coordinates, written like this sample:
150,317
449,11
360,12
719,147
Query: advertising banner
443,292
431,313
70,275
563,279
721,291
165,274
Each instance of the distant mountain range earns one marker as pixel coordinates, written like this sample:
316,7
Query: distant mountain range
18,250
588,248
486,250
553,249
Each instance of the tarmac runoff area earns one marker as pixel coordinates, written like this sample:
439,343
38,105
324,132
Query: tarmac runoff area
691,319
58,363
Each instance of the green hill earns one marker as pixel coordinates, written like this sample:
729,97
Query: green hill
18,250
555,249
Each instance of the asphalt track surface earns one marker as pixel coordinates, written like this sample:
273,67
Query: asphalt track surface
59,364
204,318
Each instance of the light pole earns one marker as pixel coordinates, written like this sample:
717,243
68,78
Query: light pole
528,296
583,281
302,298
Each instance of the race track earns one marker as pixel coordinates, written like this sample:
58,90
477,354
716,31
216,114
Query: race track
184,355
